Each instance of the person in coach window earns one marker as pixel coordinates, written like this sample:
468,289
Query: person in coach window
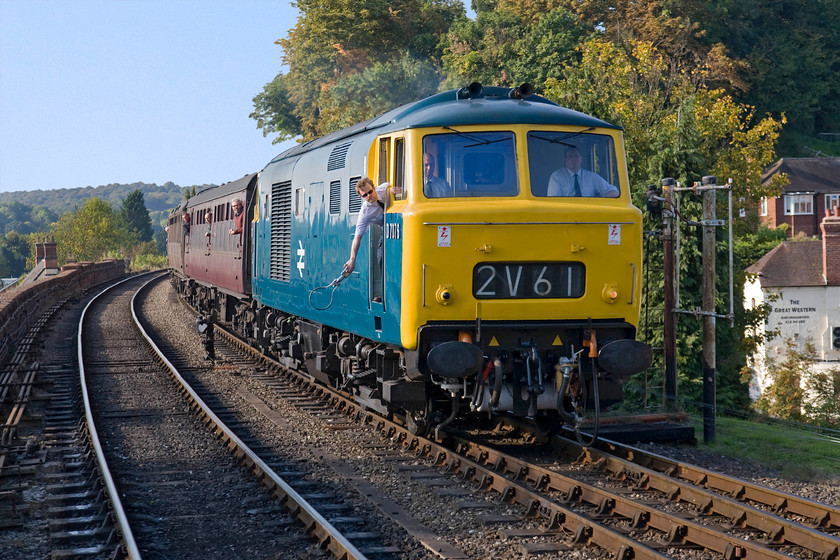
238,216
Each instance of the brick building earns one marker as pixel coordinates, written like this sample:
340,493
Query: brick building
814,188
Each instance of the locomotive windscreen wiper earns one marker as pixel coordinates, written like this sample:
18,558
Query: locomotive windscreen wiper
477,139
560,140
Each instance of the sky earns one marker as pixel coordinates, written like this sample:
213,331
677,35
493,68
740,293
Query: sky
94,92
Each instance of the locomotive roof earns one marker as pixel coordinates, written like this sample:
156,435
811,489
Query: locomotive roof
493,105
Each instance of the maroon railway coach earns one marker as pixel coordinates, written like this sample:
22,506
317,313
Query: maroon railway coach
205,252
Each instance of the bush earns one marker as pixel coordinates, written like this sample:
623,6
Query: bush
148,262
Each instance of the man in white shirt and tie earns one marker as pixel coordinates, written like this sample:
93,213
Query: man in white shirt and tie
574,181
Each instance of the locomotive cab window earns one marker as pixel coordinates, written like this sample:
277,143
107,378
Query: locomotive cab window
572,164
468,164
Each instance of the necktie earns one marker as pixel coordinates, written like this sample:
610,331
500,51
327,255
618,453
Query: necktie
577,186
381,204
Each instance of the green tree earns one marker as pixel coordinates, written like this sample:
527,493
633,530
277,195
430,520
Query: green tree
792,49
135,216
90,233
510,43
822,405
784,397
24,219
339,40
14,250
160,241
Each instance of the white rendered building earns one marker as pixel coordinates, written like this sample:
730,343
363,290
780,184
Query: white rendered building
803,277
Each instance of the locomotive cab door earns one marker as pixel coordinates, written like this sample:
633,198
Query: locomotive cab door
391,169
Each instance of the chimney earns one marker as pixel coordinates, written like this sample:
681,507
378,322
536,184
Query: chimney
39,251
50,256
830,228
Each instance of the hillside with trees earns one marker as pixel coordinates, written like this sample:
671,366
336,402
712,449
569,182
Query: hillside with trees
113,221
47,205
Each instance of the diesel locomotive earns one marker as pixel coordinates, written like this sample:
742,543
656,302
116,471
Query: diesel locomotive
495,292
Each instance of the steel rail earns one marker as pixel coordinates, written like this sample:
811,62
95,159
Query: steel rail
822,515
328,536
679,530
117,509
778,529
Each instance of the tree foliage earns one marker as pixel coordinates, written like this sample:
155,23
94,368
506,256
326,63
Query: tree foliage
792,53
798,392
352,45
90,233
14,249
822,405
20,218
135,216
507,46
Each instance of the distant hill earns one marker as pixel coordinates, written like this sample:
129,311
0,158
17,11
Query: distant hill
160,199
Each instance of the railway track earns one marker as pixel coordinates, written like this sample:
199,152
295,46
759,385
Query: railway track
618,499
145,478
484,493
201,494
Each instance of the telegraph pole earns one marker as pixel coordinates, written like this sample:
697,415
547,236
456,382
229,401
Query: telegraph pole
669,398
709,335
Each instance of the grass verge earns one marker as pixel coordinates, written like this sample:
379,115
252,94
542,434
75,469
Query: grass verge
800,453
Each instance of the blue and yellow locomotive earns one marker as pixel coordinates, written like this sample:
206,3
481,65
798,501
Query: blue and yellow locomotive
498,289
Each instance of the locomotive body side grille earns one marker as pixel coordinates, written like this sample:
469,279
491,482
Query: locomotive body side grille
338,157
281,230
335,197
355,199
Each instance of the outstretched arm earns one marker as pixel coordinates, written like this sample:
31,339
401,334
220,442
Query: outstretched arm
350,265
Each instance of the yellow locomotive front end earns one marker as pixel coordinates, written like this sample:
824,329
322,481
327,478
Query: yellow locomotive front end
521,262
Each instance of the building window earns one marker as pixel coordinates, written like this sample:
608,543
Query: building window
796,204
832,200
762,209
